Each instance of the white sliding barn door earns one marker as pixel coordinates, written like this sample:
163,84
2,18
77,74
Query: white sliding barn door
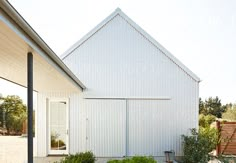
148,127
105,127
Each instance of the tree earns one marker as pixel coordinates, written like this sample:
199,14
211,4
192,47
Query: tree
15,113
211,106
202,109
230,113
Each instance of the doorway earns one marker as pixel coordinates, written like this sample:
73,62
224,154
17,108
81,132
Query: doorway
58,127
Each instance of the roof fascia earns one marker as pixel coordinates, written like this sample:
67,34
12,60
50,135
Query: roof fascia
160,47
17,23
90,34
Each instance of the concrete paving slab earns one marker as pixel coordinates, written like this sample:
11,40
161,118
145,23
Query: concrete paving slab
13,149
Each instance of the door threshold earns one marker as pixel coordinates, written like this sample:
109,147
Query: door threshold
57,155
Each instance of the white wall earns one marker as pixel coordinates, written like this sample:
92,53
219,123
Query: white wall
74,121
119,62
105,127
152,127
123,60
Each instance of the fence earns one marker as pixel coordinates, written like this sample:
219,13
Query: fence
227,143
24,128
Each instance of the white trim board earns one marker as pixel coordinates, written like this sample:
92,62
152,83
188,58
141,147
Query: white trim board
58,152
129,98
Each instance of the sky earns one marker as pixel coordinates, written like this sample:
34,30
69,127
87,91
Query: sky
200,33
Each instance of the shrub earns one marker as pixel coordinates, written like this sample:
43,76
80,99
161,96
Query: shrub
135,159
143,159
206,120
83,157
198,146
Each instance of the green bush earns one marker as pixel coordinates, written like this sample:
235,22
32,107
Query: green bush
135,159
83,157
206,120
198,146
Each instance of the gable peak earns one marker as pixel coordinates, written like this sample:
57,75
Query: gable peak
140,31
118,9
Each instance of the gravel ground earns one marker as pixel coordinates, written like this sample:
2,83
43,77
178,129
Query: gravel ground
13,149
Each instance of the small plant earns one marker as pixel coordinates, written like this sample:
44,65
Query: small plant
226,159
83,157
135,159
198,146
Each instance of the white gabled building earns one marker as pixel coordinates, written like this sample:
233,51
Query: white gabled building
118,92
139,98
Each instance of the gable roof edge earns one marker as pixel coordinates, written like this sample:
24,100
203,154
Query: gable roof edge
138,29
13,15
90,33
160,47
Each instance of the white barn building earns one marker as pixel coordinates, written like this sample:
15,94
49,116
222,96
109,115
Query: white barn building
139,99
117,92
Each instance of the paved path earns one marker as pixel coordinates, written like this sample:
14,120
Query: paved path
13,149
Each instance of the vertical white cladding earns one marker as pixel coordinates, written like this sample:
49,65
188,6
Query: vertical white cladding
124,60
150,127
155,126
42,128
105,127
119,61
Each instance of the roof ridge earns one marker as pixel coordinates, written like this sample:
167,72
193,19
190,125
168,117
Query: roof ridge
118,9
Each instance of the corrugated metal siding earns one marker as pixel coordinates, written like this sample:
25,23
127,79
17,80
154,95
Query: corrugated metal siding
118,61
42,137
105,127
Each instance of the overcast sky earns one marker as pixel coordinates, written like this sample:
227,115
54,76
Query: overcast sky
200,33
